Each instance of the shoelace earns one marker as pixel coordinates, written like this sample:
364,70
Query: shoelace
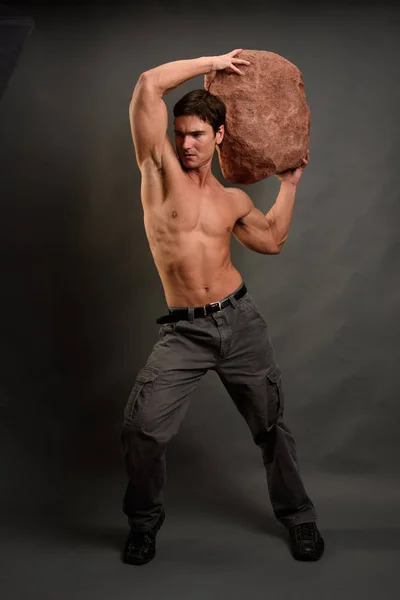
139,539
305,531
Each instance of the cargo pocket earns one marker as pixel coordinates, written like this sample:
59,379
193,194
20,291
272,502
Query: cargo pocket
147,375
275,395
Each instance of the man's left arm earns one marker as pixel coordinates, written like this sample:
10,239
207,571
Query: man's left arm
266,234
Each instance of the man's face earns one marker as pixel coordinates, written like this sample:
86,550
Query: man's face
195,141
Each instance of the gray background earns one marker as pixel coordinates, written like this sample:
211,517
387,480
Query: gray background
80,295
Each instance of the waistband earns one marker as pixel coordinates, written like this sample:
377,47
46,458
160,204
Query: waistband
184,313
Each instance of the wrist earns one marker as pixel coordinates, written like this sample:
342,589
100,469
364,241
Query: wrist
209,63
288,184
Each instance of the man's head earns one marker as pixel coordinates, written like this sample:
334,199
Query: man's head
199,126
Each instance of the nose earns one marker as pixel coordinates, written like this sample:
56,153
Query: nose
186,145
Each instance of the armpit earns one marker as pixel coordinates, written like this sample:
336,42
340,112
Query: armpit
152,165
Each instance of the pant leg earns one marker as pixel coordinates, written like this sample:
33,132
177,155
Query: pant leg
252,377
155,409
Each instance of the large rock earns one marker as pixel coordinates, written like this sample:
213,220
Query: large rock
267,120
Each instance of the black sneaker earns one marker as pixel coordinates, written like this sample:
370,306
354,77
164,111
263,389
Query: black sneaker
306,542
140,546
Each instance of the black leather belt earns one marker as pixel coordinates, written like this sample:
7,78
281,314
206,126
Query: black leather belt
202,311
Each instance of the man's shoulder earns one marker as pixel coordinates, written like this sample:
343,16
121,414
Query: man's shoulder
242,200
243,205
236,192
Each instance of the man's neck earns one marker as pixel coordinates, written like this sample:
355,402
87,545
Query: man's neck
202,176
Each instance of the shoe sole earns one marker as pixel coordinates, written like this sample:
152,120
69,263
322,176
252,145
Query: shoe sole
138,563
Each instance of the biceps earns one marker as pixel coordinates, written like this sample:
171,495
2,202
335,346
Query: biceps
257,240
149,121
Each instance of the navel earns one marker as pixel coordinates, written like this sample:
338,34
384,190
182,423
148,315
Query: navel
174,214
206,288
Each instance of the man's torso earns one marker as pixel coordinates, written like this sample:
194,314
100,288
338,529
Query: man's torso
189,230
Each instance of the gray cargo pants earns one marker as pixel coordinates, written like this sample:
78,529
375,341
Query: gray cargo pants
235,343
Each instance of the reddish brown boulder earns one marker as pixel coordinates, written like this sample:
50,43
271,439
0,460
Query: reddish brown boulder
267,120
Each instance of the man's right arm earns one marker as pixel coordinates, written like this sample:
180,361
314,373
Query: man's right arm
147,110
149,120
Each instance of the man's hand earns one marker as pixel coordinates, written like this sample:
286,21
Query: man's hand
228,61
294,175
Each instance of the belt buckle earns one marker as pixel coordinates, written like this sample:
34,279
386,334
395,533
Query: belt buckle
216,304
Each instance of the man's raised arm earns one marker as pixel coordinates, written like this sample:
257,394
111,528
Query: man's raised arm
147,111
266,234
281,212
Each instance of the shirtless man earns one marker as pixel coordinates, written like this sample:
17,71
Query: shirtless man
213,323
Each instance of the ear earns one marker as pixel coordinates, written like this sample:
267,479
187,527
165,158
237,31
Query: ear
219,136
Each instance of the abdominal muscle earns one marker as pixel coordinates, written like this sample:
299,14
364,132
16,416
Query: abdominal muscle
195,269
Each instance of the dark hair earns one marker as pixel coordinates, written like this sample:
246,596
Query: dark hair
203,104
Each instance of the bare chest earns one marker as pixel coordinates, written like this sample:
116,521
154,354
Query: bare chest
211,215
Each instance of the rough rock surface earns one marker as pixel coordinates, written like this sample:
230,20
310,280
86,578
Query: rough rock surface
268,120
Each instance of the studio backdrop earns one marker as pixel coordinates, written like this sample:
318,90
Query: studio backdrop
80,293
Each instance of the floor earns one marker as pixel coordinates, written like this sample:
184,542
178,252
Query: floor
207,548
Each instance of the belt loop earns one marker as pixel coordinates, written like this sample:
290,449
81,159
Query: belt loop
233,301
190,314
